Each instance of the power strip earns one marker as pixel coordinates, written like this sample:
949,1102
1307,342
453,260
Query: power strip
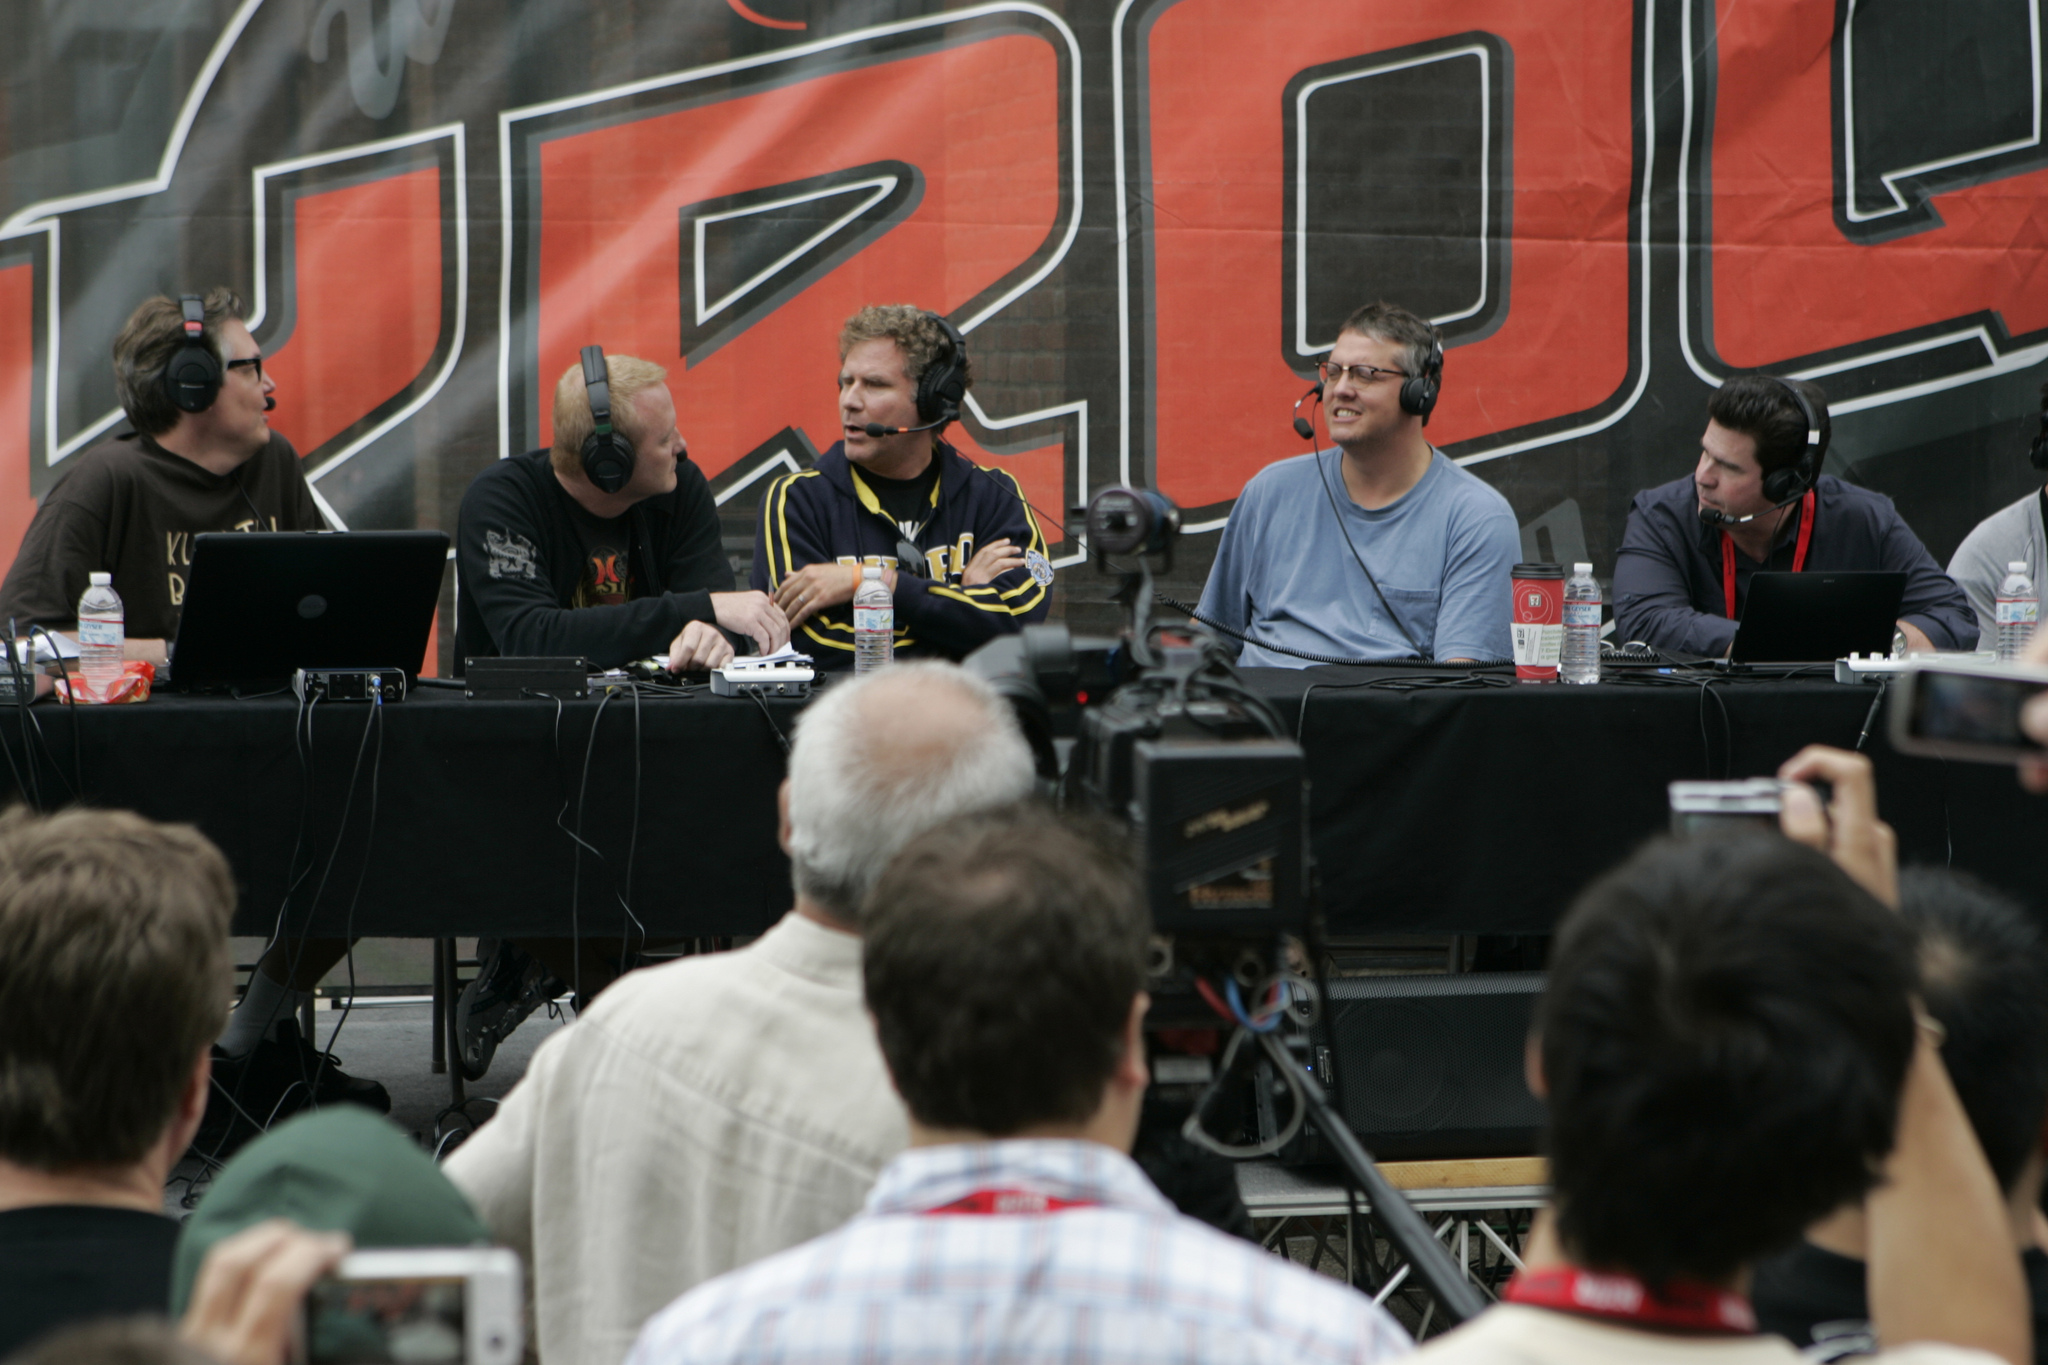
775,680
349,684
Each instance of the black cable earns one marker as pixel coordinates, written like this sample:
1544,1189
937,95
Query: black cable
1323,477
1884,681
349,922
24,693
576,854
77,763
769,716
632,844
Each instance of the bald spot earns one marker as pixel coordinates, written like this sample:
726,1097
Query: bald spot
911,724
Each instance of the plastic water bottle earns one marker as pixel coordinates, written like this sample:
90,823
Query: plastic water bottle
1581,661
102,633
2018,608
874,622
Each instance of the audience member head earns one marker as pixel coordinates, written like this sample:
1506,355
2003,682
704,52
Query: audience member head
1723,1039
1005,965
1758,407
880,759
114,982
1984,976
340,1169
120,1341
149,338
627,377
913,330
1391,323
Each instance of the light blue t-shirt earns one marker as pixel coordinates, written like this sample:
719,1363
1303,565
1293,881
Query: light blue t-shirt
1443,554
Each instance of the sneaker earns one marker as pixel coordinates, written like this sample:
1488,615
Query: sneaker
509,985
276,1079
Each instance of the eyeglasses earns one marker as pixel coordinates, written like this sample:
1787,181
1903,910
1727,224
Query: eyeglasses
254,360
1364,374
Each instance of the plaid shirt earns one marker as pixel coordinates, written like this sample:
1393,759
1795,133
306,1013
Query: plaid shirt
1118,1276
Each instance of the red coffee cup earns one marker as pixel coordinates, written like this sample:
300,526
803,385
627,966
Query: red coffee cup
1538,621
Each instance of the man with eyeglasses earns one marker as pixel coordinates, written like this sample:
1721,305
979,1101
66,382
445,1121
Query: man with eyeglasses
1378,547
197,457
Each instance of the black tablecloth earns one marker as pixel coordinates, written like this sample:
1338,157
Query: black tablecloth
475,801
1475,808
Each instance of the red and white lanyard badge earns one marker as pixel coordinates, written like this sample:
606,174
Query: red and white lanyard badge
1009,1201
1681,1305
1806,505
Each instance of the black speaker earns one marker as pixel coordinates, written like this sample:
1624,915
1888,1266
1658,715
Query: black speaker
1432,1065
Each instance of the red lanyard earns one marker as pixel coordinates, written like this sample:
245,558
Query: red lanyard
1010,1201
1798,551
1683,1304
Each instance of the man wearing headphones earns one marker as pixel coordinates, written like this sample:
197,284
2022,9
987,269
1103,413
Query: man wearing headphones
1381,548
1758,501
2015,532
957,546
200,456
615,516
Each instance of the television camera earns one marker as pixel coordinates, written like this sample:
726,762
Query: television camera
1156,728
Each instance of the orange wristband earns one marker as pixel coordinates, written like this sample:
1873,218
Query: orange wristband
856,576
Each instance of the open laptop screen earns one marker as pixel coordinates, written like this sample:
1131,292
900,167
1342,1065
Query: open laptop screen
1813,616
259,605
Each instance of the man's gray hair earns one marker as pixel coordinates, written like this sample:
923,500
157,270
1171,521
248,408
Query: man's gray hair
880,759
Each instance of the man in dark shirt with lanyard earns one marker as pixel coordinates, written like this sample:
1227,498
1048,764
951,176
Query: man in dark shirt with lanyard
1757,501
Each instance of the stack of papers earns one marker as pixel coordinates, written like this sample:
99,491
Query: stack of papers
787,655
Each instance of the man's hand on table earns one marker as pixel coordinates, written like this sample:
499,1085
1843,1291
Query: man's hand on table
816,587
746,613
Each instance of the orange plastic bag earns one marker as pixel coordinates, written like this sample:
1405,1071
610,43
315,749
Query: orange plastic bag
132,685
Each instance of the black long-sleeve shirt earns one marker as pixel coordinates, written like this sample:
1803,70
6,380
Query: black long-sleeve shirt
1667,575
541,576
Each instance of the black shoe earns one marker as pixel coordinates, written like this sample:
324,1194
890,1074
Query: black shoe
280,1076
509,985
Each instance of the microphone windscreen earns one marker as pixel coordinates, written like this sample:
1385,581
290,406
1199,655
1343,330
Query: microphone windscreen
1711,519
877,429
269,403
1303,429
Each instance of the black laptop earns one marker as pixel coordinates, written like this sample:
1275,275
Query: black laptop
259,605
1815,617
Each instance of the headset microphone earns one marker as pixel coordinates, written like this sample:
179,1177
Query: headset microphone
269,403
1301,424
877,429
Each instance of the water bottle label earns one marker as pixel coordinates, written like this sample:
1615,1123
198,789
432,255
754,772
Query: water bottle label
2018,612
92,632
875,618
1582,613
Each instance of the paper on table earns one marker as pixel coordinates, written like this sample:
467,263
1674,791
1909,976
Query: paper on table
788,654
66,648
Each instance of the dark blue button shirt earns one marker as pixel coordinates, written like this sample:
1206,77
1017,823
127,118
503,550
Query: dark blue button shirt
1667,576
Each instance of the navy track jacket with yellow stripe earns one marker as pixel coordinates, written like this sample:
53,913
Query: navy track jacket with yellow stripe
827,514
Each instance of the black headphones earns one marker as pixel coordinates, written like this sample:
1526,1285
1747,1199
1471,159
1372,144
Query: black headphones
1781,486
192,376
607,454
1418,392
943,385
2039,453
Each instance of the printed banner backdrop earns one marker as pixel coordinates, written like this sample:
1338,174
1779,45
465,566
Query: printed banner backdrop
1149,216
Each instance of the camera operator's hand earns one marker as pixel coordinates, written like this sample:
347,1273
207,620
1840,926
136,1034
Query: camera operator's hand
1847,828
2034,718
250,1287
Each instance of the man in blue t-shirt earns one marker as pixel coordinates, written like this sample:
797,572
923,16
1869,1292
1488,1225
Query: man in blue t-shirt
1380,548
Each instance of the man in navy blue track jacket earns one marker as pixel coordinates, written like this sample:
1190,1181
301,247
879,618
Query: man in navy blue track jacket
957,545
